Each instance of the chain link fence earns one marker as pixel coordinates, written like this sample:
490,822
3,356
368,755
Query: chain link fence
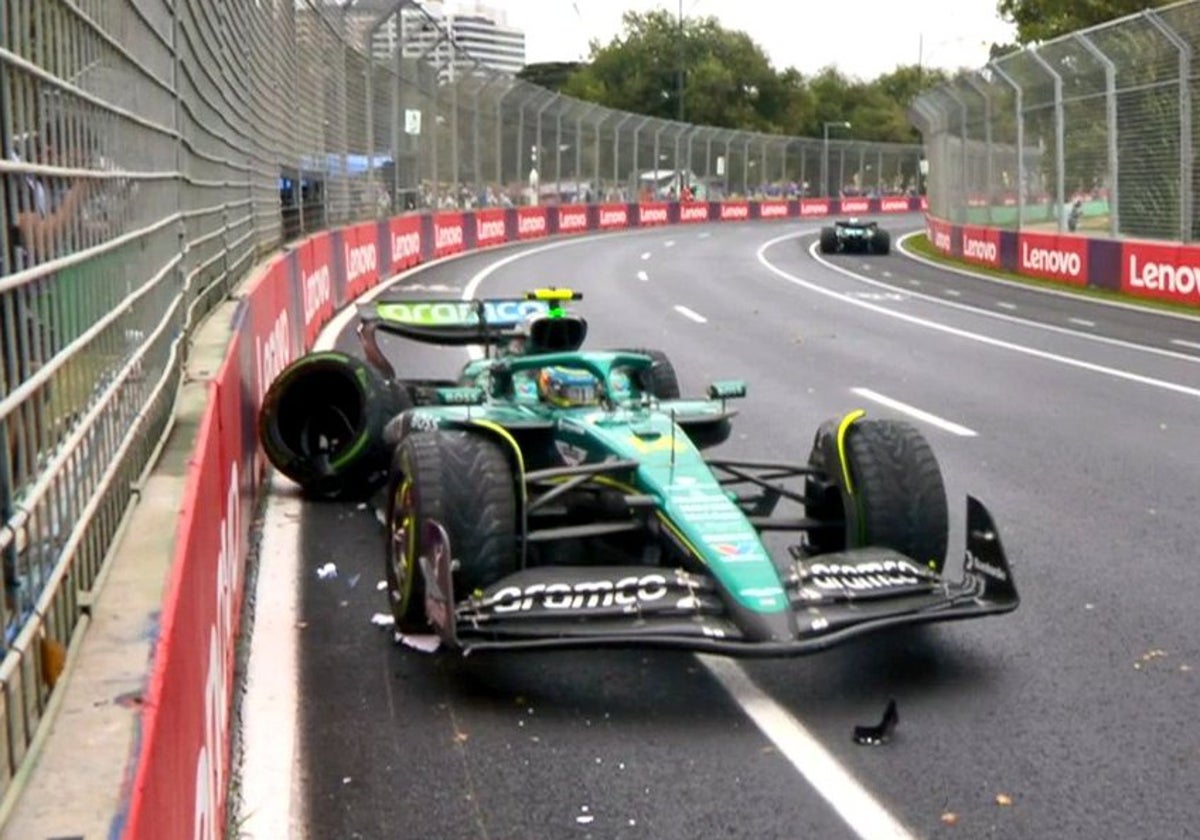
153,151
1092,132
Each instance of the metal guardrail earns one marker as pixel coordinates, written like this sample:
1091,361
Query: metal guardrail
152,152
1093,131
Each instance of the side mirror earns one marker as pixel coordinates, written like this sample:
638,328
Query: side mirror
727,389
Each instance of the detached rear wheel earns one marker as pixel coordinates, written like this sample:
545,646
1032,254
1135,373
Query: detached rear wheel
899,497
465,482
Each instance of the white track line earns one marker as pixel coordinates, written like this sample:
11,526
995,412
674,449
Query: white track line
270,803
689,314
1179,342
1003,304
913,411
983,339
853,803
1083,322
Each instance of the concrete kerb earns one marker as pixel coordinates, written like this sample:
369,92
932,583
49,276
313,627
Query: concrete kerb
75,780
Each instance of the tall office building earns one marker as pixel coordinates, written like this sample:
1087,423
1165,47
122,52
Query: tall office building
480,32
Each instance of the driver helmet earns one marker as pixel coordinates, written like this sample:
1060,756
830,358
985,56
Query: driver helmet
568,387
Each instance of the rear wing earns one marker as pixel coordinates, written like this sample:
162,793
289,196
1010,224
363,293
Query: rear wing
451,321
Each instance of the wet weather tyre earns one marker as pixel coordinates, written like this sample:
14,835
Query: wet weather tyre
464,481
828,242
321,424
881,243
662,381
899,496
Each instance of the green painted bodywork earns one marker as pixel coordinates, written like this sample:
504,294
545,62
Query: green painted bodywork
631,426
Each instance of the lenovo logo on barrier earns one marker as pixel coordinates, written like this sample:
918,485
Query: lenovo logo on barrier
980,245
733,212
1051,261
855,205
573,220
814,208
652,215
272,354
450,236
613,217
893,205
488,231
318,293
406,246
772,210
534,225
693,212
1164,279
360,261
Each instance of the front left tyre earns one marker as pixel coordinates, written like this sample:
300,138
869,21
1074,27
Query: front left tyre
465,482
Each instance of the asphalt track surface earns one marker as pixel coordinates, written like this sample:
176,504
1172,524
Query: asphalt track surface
1080,708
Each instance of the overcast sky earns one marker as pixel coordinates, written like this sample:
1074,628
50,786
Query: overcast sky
863,38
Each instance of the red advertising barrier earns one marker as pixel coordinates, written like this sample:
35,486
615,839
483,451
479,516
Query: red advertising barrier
815,207
981,245
490,227
690,211
360,257
448,235
534,222
653,213
613,216
894,204
735,211
924,203
406,242
772,209
268,315
940,234
316,284
1053,257
182,776
572,219
1168,272
852,206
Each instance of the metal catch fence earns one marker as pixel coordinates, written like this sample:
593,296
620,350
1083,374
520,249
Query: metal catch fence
152,151
1092,132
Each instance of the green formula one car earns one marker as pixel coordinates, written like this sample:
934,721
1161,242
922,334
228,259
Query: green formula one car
854,236
555,497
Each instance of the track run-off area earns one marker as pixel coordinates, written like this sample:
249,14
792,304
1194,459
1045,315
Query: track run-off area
1071,418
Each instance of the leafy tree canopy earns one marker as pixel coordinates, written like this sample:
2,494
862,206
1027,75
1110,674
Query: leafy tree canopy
1043,20
729,82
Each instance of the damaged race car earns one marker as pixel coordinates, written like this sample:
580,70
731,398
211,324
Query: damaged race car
554,497
854,236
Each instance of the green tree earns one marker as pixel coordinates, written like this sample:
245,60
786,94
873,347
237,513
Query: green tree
552,75
1043,20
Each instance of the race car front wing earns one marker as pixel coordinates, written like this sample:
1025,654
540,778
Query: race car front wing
832,598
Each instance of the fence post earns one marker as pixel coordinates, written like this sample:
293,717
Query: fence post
1060,158
1110,105
1020,114
1186,152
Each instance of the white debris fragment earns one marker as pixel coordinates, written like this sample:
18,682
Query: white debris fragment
621,766
584,819
382,585
345,780
362,505
381,517
329,570
633,822
383,620
353,582
426,643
